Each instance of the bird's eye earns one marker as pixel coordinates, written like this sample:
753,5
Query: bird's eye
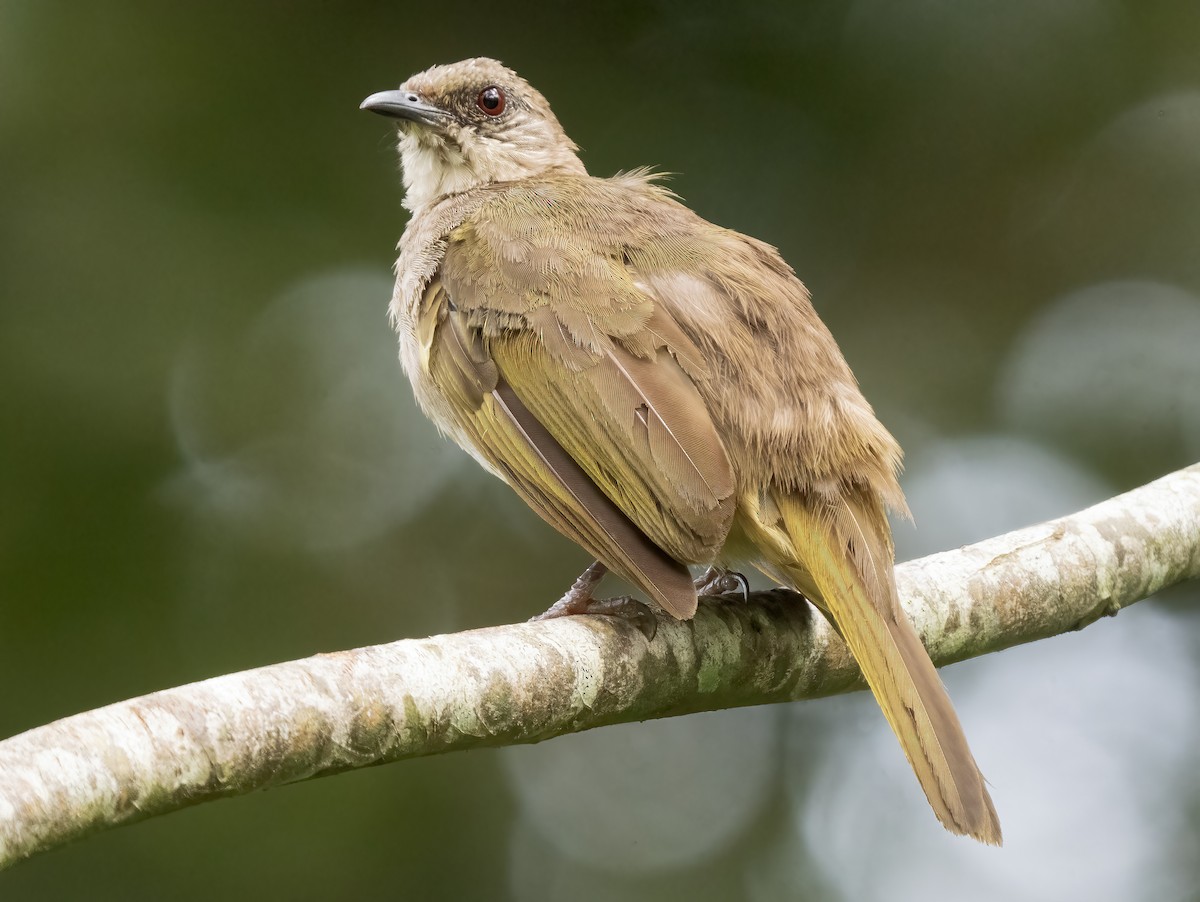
491,100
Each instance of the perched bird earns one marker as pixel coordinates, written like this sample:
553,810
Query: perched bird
657,388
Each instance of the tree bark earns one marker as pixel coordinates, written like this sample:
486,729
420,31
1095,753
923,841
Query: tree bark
527,682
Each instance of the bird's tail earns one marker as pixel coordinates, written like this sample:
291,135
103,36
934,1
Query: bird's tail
837,549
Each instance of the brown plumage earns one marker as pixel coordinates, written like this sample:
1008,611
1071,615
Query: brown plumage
658,389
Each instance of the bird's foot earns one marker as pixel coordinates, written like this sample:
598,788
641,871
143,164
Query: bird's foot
719,581
578,600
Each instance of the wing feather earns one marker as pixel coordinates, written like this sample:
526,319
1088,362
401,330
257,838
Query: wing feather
501,429
602,366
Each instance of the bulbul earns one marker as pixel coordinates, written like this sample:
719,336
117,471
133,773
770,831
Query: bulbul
657,388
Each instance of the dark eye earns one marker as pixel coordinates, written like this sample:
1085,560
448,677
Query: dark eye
491,100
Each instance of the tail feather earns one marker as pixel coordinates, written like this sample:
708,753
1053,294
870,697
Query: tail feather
839,553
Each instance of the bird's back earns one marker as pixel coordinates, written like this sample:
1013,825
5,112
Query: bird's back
774,380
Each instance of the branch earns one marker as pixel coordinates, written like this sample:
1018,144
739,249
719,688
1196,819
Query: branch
528,682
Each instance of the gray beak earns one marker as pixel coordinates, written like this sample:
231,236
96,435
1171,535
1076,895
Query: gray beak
403,105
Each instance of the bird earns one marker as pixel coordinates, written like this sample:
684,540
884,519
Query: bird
658,389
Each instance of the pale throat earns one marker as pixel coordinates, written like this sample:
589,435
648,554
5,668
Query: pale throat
434,167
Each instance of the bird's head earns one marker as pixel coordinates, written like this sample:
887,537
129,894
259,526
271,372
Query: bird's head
469,124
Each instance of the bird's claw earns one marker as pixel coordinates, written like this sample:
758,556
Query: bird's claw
718,581
578,600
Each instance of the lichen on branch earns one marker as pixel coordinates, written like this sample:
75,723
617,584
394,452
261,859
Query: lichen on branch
527,682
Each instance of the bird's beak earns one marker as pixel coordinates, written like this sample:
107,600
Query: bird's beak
403,105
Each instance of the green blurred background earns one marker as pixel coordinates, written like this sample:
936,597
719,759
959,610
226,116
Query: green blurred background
210,459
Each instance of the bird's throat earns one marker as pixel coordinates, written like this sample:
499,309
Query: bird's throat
433,168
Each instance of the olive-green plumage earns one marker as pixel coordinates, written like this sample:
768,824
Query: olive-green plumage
658,389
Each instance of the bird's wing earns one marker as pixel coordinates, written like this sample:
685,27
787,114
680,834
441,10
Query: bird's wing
579,388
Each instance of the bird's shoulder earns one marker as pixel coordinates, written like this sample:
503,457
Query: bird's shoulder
563,223
553,256
556,227
604,211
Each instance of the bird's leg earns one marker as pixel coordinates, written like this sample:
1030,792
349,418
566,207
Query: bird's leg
578,600
719,581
